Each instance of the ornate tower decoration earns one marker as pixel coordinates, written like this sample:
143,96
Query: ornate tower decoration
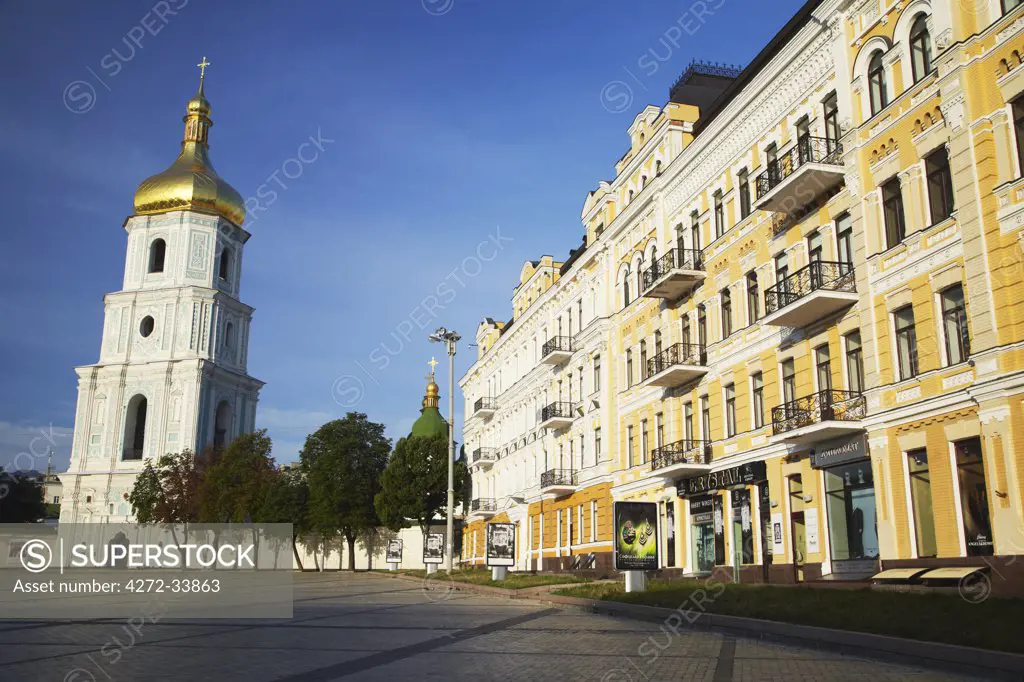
172,373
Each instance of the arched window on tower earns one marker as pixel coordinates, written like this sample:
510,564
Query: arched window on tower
135,428
222,425
229,336
920,48
225,264
157,252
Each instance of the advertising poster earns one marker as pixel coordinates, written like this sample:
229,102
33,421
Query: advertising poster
501,544
778,548
394,554
433,548
636,536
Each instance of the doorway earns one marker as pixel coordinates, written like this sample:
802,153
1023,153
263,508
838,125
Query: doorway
798,528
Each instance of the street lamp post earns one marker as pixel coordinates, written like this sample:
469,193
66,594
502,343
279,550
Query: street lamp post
449,338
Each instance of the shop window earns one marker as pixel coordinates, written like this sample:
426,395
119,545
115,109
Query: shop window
702,531
876,84
906,342
970,469
670,533
892,209
854,363
757,393
940,185
921,501
850,505
954,325
742,527
920,48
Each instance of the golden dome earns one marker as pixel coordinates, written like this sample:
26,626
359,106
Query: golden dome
191,183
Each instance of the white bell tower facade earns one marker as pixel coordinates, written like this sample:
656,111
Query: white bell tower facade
172,372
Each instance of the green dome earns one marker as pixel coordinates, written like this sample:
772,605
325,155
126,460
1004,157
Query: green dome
430,423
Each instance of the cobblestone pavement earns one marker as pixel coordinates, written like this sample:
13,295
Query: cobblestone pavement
367,627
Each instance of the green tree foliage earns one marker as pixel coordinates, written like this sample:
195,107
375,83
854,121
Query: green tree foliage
236,481
415,484
287,501
167,491
21,499
343,461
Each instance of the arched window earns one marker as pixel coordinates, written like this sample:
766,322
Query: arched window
920,48
726,313
1010,4
135,428
222,424
225,264
625,287
229,336
157,251
876,84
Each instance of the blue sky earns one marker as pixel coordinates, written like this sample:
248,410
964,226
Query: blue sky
450,122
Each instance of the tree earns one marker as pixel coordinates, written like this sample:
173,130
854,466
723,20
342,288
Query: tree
287,501
236,480
343,461
167,492
21,499
415,484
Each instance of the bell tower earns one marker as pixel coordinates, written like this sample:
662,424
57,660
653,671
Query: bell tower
173,363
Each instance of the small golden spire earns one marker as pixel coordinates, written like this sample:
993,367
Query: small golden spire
431,399
202,72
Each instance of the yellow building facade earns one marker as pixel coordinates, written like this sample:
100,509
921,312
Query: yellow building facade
796,321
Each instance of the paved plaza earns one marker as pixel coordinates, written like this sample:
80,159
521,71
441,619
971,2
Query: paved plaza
369,627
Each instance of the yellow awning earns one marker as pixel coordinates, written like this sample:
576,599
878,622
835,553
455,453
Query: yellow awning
899,574
952,572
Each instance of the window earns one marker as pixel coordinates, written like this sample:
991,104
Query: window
788,381
803,139
695,221
657,343
1009,5
920,48
730,410
921,502
688,422
832,132
597,444
702,327
940,185
146,326
157,252
844,242
876,84
685,329
229,336
744,186
954,325
906,342
135,428
823,368
579,314
643,360
854,363
771,154
782,276
625,288
597,373
659,430
892,207
225,264
629,446
757,391
705,418
593,520
726,313
753,298
719,215
579,524
629,367
815,248
645,441
970,470
1018,129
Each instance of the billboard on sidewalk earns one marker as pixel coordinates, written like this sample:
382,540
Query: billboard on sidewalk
433,548
501,544
636,536
394,553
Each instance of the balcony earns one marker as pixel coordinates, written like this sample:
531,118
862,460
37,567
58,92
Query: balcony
557,415
484,458
821,416
810,294
557,350
485,407
674,275
810,168
684,456
558,482
676,365
484,507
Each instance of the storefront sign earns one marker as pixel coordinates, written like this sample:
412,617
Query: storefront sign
778,548
754,472
501,544
636,536
811,528
394,553
839,451
433,548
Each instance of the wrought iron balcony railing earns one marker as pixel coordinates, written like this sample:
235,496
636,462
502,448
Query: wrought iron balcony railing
829,275
485,404
560,410
562,344
827,405
807,150
131,454
687,451
483,504
677,354
484,455
675,259
561,477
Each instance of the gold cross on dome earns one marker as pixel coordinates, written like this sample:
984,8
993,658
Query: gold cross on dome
202,69
433,363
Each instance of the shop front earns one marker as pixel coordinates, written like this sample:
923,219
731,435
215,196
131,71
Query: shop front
727,512
849,506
